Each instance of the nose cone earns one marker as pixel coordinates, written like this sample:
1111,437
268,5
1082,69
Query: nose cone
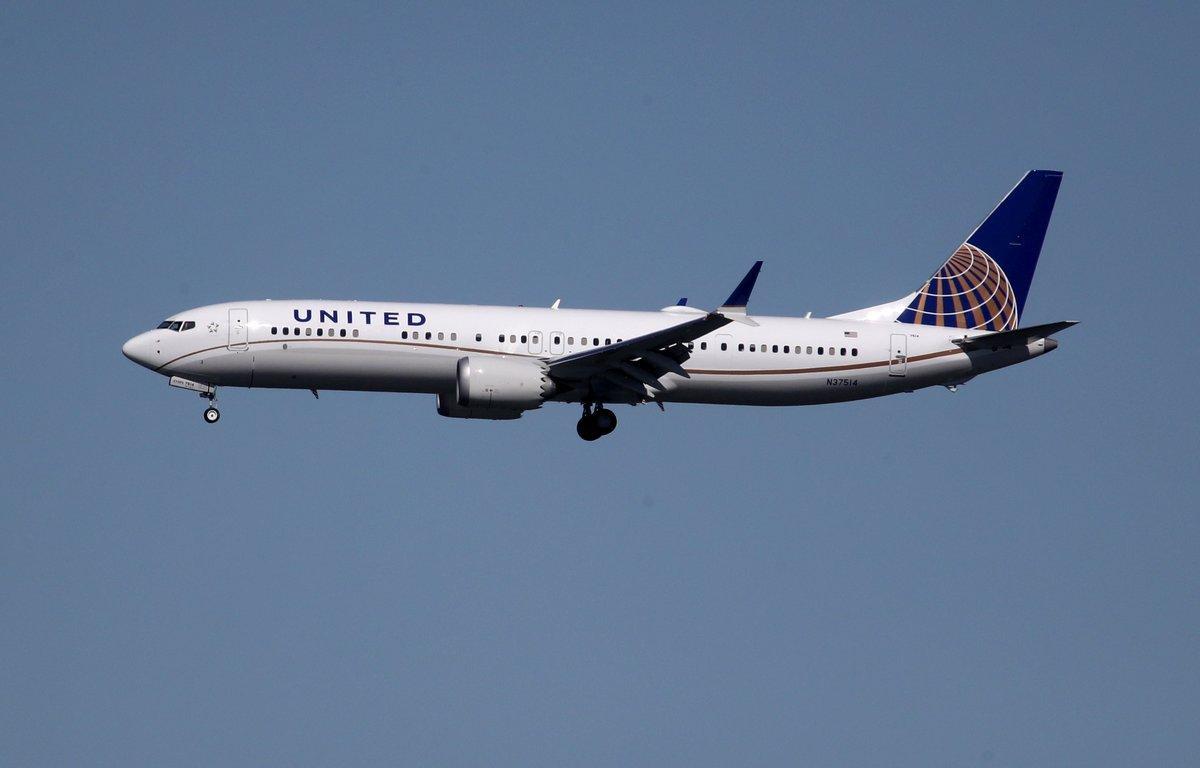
138,350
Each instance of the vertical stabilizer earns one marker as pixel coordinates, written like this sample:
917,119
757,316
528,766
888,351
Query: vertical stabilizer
984,283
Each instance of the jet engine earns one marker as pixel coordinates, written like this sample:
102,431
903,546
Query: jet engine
503,383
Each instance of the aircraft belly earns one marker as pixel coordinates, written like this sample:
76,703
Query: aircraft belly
365,369
768,389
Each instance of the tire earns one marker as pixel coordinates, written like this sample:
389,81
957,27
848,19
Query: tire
606,421
212,415
586,429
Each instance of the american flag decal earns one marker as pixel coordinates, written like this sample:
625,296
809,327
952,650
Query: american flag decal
850,334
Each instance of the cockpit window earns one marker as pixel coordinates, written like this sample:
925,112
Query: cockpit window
177,325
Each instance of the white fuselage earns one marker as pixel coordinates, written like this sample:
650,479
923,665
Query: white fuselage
403,347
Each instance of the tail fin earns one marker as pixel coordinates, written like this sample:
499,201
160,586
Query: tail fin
983,285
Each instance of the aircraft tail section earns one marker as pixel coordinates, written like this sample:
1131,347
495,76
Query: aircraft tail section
984,283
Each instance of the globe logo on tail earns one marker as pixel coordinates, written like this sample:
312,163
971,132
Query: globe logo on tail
969,291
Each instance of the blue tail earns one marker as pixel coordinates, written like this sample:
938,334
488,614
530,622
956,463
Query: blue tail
984,284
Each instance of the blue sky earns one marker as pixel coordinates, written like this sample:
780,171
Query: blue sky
1002,576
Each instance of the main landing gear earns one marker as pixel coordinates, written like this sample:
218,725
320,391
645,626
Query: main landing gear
597,421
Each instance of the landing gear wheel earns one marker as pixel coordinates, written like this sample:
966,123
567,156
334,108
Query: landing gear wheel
606,421
587,429
211,415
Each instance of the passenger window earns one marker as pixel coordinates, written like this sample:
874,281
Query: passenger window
785,349
356,333
295,331
524,338
820,350
512,338
752,349
607,341
441,335
479,337
570,341
308,331
843,351
428,335
285,331
320,331
342,333
274,330
704,345
453,336
595,342
854,352
502,338
741,347
404,334
724,346
557,340
774,347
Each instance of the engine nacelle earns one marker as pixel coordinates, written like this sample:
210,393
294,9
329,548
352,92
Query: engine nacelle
507,383
447,407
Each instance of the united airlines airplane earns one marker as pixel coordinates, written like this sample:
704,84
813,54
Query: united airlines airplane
484,362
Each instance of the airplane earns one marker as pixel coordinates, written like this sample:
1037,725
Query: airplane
491,362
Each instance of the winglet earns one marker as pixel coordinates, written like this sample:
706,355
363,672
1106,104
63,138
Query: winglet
741,295
735,306
682,302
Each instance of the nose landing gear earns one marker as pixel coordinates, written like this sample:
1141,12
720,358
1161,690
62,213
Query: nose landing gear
211,414
596,422
206,391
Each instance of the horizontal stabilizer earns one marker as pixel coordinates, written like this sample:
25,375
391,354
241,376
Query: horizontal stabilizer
1014,337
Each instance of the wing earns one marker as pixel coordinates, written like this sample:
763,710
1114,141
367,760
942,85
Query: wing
630,369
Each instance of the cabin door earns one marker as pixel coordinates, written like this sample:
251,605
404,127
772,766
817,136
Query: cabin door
239,332
898,355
